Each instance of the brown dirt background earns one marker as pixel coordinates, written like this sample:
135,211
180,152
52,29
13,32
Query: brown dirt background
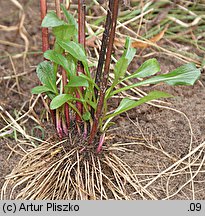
146,126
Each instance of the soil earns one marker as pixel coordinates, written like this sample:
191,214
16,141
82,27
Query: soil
157,137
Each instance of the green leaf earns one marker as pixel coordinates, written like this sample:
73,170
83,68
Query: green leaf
58,49
72,65
57,58
86,116
77,81
75,49
120,68
69,17
148,68
64,32
40,89
46,75
119,72
59,100
129,52
127,104
122,65
51,20
71,21
185,75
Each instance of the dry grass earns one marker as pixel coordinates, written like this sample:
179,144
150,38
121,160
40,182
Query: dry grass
51,172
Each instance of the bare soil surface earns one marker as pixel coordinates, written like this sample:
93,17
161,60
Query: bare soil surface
156,137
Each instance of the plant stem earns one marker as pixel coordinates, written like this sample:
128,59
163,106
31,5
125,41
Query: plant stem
101,60
81,40
102,139
58,9
113,7
58,124
81,22
98,76
45,43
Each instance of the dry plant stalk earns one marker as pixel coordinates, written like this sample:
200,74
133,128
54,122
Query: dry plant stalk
103,79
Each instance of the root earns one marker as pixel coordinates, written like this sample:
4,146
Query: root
52,172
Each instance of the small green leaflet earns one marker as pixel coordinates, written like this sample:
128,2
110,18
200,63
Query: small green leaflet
72,65
129,52
40,89
51,20
59,100
77,81
128,104
86,116
46,75
57,58
120,68
74,49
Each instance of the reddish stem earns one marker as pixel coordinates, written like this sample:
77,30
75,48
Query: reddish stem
102,140
113,7
81,22
67,115
58,9
81,40
45,42
58,124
